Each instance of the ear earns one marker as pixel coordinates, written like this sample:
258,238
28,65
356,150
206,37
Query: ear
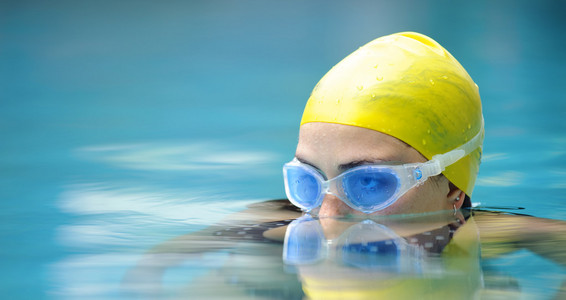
455,196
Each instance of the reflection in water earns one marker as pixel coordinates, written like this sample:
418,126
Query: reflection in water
246,262
418,256
271,251
426,257
365,245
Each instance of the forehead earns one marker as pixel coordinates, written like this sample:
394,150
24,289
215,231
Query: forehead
328,145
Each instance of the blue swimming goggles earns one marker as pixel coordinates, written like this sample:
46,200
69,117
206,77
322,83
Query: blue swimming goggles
366,188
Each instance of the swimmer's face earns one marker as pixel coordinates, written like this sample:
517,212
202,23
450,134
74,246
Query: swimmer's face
334,148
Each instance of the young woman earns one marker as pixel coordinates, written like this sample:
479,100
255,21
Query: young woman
394,128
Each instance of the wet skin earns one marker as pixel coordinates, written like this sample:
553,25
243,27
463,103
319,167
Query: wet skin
335,148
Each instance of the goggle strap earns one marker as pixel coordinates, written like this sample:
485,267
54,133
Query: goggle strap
430,168
446,159
455,155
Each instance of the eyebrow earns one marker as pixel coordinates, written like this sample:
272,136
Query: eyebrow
347,166
306,162
357,163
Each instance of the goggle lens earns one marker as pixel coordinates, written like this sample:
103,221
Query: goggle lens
303,187
367,188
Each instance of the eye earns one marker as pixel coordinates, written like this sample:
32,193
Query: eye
371,181
367,187
368,182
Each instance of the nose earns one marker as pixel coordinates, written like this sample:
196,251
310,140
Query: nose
332,206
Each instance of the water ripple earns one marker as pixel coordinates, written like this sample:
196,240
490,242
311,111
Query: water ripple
194,156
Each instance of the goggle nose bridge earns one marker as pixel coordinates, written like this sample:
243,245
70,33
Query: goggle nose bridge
330,187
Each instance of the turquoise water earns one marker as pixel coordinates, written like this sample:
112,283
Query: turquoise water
126,124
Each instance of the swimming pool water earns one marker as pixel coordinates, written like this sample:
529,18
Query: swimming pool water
127,124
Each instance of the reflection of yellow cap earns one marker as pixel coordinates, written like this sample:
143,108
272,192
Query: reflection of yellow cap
456,274
408,86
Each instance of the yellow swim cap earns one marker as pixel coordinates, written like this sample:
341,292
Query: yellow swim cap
408,86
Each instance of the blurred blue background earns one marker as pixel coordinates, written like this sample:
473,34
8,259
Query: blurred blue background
180,112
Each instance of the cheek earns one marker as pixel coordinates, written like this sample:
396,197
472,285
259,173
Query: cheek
430,196
424,198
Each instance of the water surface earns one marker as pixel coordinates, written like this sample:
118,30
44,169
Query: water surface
125,125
